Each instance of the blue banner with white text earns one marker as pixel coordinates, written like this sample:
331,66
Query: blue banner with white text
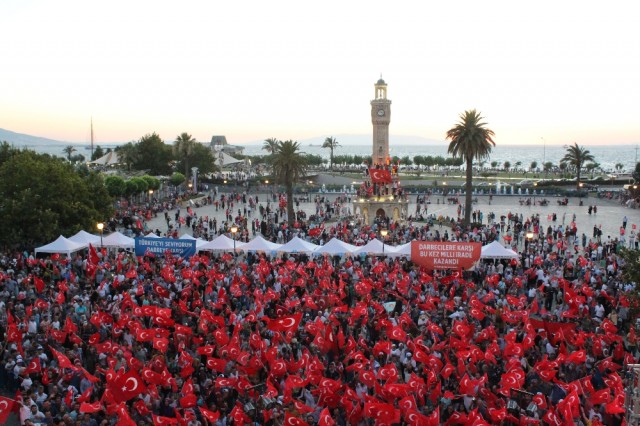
159,246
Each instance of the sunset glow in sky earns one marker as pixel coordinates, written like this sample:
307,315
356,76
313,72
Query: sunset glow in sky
563,71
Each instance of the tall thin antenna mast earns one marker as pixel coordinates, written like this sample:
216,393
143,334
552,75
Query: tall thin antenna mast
92,138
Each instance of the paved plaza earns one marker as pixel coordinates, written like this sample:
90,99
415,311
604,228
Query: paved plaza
609,214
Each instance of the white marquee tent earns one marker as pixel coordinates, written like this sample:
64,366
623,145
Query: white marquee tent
61,245
116,239
375,247
298,245
220,243
335,246
199,241
260,244
495,250
83,237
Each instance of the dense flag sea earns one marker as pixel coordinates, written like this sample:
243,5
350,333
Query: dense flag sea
607,156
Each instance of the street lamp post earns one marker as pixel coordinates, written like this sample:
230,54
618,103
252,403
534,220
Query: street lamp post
529,238
234,229
100,228
150,194
383,233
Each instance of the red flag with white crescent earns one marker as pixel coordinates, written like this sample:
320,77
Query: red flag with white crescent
127,386
380,176
6,406
284,324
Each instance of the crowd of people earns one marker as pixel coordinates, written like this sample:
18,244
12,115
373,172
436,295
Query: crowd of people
105,337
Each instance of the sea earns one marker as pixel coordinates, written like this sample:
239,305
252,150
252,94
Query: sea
607,156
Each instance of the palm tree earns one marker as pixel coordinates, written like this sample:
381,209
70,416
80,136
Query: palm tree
183,150
533,166
576,156
470,140
69,150
332,144
289,166
270,145
619,167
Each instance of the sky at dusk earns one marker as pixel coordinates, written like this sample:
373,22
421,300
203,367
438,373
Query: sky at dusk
544,72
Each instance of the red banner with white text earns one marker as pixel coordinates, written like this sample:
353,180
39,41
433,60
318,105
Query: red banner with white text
445,255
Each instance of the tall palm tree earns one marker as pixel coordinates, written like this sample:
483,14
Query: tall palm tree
332,144
575,157
289,166
69,150
470,139
270,145
183,148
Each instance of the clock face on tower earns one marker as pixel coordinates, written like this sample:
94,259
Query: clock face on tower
380,113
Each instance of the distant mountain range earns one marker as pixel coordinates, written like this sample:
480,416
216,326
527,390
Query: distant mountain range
20,139
24,140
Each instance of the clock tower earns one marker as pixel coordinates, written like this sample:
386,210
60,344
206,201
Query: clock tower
380,118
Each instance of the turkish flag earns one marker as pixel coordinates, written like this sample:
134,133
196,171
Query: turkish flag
380,176
211,416
93,255
601,397
382,412
93,407
285,324
127,386
39,283
63,361
6,406
290,420
217,364
325,418
34,366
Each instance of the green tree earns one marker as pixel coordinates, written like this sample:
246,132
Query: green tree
289,166
494,164
636,173
97,153
152,182
619,167
548,166
332,144
183,150
406,161
533,166
576,157
153,155
506,166
202,158
116,186
470,139
177,179
42,197
69,150
127,154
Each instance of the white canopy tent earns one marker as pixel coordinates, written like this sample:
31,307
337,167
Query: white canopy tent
199,241
495,250
298,245
260,244
335,246
83,237
116,239
61,245
220,243
402,250
151,235
110,158
375,247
